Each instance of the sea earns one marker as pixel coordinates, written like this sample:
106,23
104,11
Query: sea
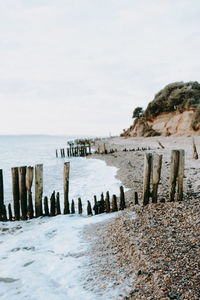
44,258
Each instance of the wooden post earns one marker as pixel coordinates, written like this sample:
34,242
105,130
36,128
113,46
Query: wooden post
174,173
10,212
105,150
89,209
72,207
56,153
63,152
107,202
122,204
95,208
80,208
195,154
23,192
38,189
102,204
66,187
98,149
15,190
1,195
53,204
114,203
136,198
147,177
46,206
181,174
157,164
58,210
90,148
29,182
4,213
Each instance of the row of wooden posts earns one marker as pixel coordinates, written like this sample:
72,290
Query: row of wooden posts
76,151
22,179
152,174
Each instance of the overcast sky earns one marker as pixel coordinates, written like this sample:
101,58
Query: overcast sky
80,67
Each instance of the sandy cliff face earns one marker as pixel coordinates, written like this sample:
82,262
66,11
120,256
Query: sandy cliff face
174,123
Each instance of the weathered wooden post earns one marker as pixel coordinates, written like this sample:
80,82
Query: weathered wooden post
53,204
95,208
105,150
90,152
46,206
107,202
114,203
80,208
72,207
122,204
102,204
66,187
195,154
63,152
147,177
23,191
174,173
181,174
4,213
56,153
10,217
89,209
98,149
60,152
1,195
157,164
136,198
15,190
38,189
58,210
29,182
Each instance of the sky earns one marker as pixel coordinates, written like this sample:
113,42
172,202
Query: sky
80,67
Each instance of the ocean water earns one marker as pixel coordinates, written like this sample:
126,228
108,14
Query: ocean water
44,257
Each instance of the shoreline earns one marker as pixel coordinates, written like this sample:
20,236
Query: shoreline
143,251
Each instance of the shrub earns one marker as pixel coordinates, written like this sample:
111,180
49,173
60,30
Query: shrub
175,96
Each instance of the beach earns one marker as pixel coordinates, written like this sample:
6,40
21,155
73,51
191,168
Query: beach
151,252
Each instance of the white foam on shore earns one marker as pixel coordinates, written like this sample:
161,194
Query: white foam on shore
43,258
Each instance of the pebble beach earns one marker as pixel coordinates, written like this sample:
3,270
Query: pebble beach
149,252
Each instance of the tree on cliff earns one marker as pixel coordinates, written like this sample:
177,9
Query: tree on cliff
137,113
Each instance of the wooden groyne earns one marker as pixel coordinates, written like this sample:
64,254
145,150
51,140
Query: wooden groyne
22,180
24,209
76,148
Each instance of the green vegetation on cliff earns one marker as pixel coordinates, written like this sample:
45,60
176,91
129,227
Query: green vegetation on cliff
175,96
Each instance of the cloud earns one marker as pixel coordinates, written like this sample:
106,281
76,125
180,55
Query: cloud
85,65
